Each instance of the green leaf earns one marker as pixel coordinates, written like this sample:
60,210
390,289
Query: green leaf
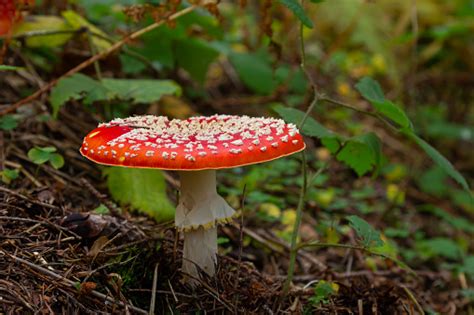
438,159
9,68
38,156
433,181
131,65
101,209
332,144
73,88
158,46
322,292
8,122
358,156
370,90
458,223
56,160
370,237
140,91
48,149
373,142
362,153
143,189
76,22
443,129
298,82
8,175
298,11
254,70
222,240
393,112
463,198
310,128
52,23
388,249
468,294
468,266
439,246
195,56
80,86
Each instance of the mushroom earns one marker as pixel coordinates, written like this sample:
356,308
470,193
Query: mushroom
196,148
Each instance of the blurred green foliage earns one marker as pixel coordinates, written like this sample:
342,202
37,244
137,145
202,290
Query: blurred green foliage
409,65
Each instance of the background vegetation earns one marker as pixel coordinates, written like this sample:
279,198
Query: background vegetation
382,90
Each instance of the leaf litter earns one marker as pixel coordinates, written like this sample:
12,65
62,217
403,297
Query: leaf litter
57,255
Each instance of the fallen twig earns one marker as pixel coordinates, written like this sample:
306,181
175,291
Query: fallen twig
39,203
153,290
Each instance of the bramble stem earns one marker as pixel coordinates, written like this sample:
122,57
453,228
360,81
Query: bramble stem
299,208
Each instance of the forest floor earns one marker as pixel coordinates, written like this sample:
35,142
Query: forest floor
67,247
58,256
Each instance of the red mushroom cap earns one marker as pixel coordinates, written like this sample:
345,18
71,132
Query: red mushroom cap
197,143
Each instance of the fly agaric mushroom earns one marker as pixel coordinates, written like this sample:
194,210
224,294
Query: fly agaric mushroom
196,148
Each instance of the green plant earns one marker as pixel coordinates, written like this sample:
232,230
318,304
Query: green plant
142,189
8,175
80,86
8,122
323,292
9,68
41,155
362,152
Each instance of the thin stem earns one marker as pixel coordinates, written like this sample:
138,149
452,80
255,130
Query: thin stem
302,197
296,227
308,111
414,300
316,175
345,105
93,52
153,290
127,51
46,33
362,111
302,45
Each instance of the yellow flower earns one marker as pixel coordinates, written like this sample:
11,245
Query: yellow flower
395,194
396,173
361,71
270,209
325,197
289,217
378,63
344,89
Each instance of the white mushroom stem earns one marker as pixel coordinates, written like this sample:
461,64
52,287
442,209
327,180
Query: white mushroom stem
200,248
199,210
